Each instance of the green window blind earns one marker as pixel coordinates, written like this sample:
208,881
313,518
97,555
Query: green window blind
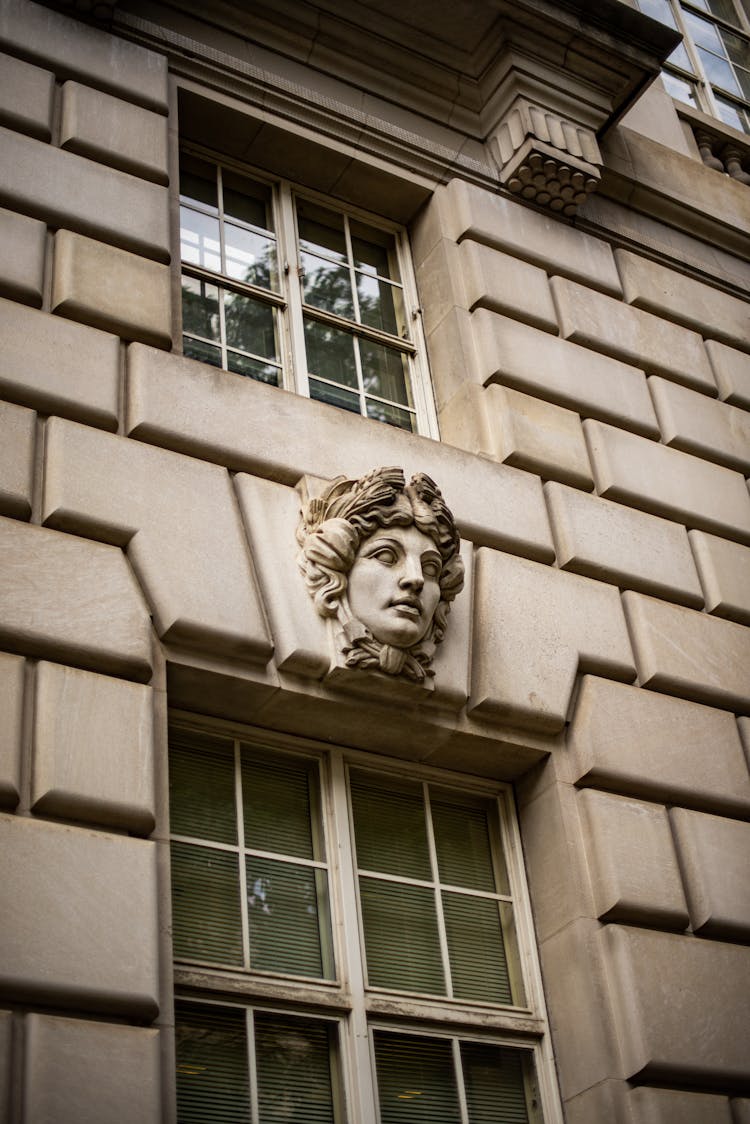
280,798
206,918
293,1067
212,1070
464,851
390,826
284,917
494,1083
201,787
401,936
476,949
416,1080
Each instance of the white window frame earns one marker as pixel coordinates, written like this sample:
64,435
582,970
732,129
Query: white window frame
347,999
288,302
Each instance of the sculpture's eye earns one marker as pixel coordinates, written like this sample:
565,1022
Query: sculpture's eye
385,555
432,568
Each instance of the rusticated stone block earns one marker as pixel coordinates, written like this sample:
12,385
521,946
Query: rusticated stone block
575,377
740,1110
618,544
58,367
632,861
66,190
17,435
75,49
101,953
6,1046
76,1071
78,603
26,97
243,424
666,482
452,354
713,430
503,284
179,520
681,1004
111,289
440,281
535,628
93,752
22,267
715,860
655,287
657,747
668,1106
113,132
627,333
690,654
11,708
483,216
724,569
732,373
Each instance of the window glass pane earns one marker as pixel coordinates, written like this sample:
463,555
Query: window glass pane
200,308
330,354
679,89
199,239
198,181
327,286
206,904
475,949
494,1083
662,11
720,73
724,9
462,841
374,250
279,796
416,1080
380,304
204,352
293,1070
201,787
385,372
389,826
246,200
703,33
253,368
250,325
401,936
391,415
321,229
288,918
344,399
738,49
735,115
250,257
212,1076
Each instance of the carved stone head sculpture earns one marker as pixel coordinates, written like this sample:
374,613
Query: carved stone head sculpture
380,556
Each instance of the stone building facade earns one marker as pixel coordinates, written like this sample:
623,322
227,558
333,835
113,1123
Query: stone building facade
490,235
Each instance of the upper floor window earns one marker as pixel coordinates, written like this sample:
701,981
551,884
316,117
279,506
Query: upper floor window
711,67
296,292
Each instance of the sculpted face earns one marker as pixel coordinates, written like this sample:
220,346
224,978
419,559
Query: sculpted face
394,585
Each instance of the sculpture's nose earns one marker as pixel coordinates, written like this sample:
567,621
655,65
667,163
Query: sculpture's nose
412,576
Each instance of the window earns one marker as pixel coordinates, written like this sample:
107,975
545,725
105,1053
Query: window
295,292
348,941
711,67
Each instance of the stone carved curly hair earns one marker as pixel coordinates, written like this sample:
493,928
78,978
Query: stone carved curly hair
331,531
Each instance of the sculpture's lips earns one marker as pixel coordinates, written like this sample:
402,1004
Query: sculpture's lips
407,606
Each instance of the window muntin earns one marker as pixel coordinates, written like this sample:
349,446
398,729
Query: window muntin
711,67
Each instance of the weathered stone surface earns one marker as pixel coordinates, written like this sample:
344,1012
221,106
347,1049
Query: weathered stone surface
179,520
714,430
6,1057
26,97
11,708
66,190
78,603
17,437
740,1110
113,132
111,289
732,373
627,333
441,283
22,266
657,747
666,482
724,569
84,911
715,860
547,367
77,50
713,313
503,284
667,1106
535,629
603,1101
93,752
690,654
632,861
58,367
681,1004
245,425
617,544
484,217
76,1071
452,354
